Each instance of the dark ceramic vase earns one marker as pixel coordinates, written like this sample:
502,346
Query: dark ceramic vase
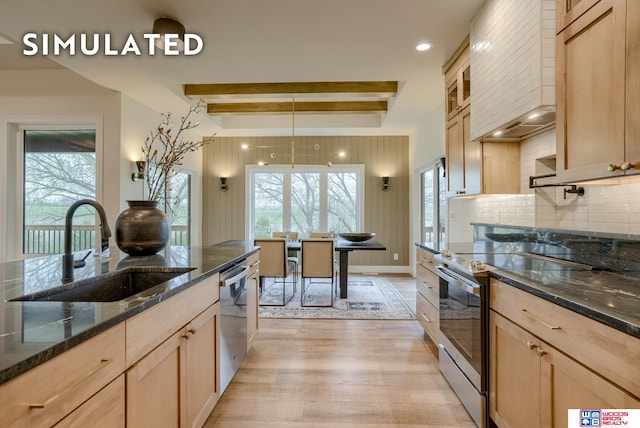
142,229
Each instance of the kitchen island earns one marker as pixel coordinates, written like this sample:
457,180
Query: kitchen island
55,355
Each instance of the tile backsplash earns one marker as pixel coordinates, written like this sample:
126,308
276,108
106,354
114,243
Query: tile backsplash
611,207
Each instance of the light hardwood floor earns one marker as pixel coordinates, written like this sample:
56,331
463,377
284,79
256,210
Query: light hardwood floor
339,374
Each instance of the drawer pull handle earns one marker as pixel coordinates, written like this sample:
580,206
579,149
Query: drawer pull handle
544,323
255,264
427,260
531,345
425,318
426,285
189,332
540,352
103,363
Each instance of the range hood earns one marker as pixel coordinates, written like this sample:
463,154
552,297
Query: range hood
524,126
512,50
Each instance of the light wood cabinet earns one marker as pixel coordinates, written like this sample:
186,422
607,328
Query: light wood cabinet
427,294
473,167
253,284
106,409
48,393
568,11
598,125
566,361
457,75
177,383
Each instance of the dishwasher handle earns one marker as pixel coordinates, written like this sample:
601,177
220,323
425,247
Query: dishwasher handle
232,276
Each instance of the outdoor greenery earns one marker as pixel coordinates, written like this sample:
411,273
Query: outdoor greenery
304,203
53,181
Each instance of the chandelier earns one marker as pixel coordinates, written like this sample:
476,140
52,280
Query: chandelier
293,132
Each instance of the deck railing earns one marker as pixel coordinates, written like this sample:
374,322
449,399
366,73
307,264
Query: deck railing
49,239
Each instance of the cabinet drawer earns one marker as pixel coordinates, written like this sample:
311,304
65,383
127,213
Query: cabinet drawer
424,258
150,328
427,284
603,349
49,392
428,316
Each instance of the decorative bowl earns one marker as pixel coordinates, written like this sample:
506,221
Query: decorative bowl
357,237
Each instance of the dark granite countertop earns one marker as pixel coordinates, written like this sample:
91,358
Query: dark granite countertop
32,332
609,293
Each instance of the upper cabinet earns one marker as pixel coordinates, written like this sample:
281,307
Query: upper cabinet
458,81
598,71
473,167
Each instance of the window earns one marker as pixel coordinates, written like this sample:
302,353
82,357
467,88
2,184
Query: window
59,168
181,208
434,204
305,199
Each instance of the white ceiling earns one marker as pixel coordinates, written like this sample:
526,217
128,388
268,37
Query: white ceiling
261,41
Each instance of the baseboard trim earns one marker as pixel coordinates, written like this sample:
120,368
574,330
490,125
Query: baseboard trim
372,270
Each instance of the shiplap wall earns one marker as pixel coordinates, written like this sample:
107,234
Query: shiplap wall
386,213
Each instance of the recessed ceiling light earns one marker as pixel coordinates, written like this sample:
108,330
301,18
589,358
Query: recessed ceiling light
533,116
497,133
423,47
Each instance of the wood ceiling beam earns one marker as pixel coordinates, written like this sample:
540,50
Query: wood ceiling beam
300,107
300,89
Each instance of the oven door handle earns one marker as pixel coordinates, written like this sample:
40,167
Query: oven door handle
469,287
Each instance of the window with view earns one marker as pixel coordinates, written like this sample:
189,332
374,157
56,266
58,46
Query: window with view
59,168
305,199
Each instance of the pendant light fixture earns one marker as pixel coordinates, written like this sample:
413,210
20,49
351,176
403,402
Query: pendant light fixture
293,132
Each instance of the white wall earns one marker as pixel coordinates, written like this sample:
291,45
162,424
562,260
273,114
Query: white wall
425,145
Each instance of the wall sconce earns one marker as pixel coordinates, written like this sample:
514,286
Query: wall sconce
385,183
223,184
140,165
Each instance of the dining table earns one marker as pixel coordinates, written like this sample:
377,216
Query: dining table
344,247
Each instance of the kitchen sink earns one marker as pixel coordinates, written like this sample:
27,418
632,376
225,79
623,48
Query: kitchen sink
110,287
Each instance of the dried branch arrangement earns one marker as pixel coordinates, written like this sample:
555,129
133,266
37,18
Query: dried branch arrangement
165,148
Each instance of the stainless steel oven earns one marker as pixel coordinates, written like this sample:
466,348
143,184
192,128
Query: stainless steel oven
464,330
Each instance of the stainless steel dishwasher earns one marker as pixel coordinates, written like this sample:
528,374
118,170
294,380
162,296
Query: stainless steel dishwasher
233,322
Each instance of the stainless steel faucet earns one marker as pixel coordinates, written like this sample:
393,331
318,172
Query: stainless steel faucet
67,258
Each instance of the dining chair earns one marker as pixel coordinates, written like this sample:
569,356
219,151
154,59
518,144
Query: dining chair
317,263
293,254
292,236
323,235
275,264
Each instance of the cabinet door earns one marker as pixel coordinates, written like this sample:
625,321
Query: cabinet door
515,375
201,361
252,307
154,389
103,410
568,11
455,156
472,156
567,384
591,93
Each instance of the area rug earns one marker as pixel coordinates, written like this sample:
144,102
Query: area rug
369,298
